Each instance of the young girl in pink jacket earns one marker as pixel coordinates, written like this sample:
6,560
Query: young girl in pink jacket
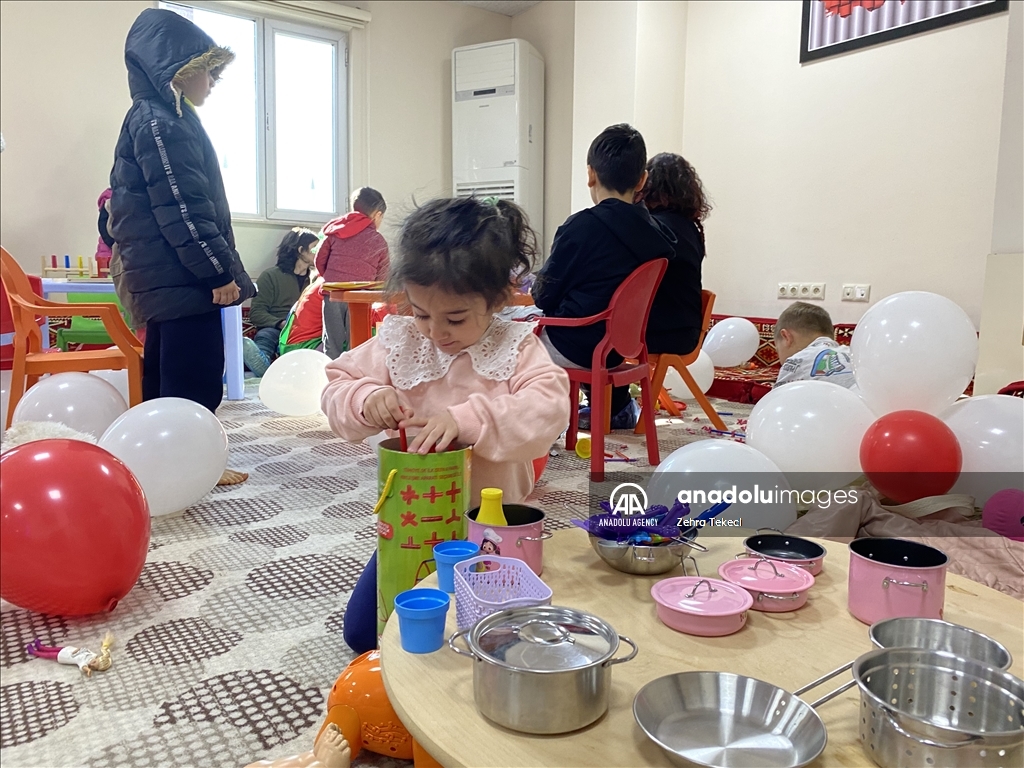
453,371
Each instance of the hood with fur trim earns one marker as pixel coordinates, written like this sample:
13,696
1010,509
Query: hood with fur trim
161,45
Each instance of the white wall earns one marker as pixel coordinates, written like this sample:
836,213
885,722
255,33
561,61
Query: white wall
604,79
876,167
63,95
630,59
548,26
409,118
1008,218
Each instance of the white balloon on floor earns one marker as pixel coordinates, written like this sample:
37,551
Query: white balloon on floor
175,448
5,396
293,383
913,351
720,465
118,379
703,372
811,427
732,342
990,430
77,400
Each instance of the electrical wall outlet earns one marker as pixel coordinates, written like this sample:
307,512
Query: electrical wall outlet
857,292
789,290
817,291
803,291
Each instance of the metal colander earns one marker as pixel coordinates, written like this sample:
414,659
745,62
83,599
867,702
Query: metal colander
930,708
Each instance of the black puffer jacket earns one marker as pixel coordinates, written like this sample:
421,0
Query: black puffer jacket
170,213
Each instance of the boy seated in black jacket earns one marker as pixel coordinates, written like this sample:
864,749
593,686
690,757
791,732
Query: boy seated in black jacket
594,251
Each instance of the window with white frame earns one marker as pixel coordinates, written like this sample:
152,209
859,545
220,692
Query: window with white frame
278,117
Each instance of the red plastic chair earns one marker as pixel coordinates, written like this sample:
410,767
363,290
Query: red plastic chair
625,331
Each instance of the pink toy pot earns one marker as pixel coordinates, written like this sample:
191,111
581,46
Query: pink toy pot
896,578
775,586
703,607
523,537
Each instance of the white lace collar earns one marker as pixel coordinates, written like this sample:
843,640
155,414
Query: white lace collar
413,359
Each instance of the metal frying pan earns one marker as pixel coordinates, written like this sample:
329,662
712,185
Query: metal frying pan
792,549
722,720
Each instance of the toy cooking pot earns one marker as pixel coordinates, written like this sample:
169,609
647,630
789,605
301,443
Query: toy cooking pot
895,578
648,560
704,607
522,538
775,586
788,549
542,669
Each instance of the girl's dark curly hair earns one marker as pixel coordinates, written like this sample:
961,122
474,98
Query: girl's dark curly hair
465,245
673,185
288,250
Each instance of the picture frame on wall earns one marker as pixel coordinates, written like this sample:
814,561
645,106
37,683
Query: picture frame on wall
831,27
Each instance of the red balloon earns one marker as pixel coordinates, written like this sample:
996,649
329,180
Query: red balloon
908,455
74,528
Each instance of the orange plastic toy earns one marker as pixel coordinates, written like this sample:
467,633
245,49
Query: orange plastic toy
359,706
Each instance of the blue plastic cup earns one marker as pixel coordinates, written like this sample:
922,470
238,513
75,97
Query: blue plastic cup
446,555
421,614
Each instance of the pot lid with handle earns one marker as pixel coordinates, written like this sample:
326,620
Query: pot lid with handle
543,638
766,575
701,596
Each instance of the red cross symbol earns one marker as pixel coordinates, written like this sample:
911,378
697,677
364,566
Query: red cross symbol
433,540
409,495
409,544
433,495
409,518
453,491
454,518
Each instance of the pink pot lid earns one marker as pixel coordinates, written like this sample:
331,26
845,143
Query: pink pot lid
701,597
772,576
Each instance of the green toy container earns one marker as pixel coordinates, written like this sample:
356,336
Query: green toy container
425,505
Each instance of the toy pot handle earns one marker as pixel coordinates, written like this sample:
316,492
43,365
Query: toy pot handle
765,596
923,585
543,535
454,647
632,654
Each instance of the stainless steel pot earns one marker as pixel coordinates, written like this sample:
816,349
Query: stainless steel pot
542,669
929,708
642,560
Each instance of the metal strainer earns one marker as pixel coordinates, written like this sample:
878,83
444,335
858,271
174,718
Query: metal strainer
930,708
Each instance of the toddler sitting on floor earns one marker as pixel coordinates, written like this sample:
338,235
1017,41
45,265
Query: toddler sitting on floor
805,341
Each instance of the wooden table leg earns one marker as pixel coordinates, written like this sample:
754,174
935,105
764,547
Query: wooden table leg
359,324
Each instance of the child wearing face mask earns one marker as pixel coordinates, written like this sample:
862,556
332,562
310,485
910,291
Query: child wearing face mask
453,371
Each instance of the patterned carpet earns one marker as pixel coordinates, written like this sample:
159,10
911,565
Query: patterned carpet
226,648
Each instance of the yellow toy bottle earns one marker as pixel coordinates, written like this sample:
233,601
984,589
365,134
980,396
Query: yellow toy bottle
490,508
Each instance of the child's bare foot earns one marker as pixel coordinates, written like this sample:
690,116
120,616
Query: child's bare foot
231,477
332,749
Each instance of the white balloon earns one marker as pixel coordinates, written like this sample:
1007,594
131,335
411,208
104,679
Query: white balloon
77,400
293,382
117,379
720,465
913,351
175,448
375,440
732,342
5,397
811,426
990,430
703,372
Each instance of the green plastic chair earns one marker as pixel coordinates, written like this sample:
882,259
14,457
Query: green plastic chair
87,330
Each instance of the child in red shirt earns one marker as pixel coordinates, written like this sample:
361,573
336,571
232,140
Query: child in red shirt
352,250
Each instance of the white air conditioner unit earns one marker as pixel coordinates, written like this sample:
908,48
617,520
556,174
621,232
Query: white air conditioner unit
498,125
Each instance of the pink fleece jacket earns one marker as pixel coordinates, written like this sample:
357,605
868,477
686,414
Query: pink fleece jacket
509,423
